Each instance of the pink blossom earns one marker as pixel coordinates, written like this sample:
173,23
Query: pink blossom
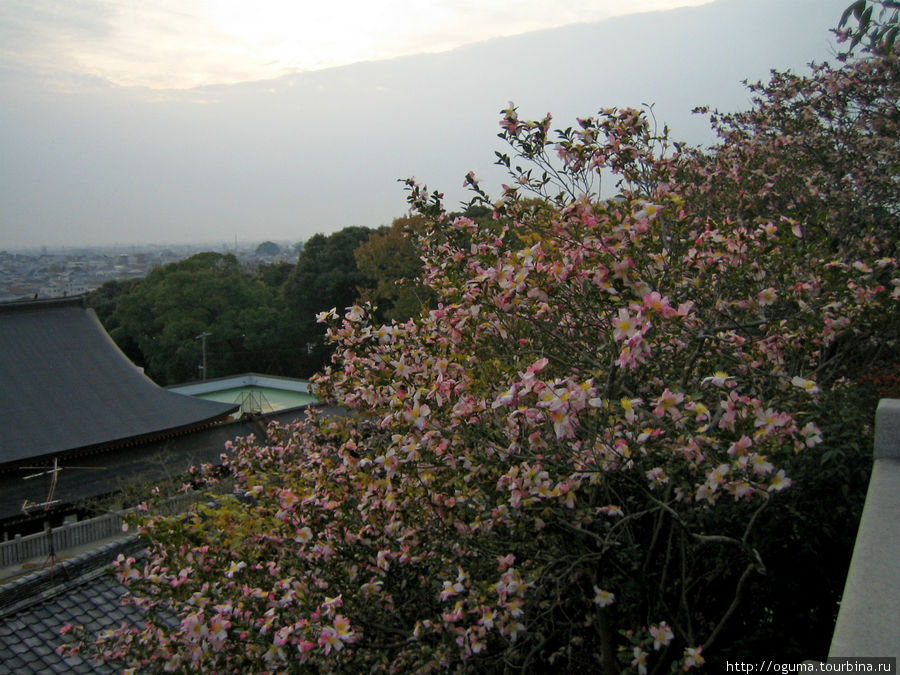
809,386
662,635
194,627
330,640
603,598
640,660
767,296
657,303
657,476
741,446
693,657
625,325
779,481
668,402
342,627
417,415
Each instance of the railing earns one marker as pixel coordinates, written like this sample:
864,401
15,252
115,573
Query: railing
72,535
868,622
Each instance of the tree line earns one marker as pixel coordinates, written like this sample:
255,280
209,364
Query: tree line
261,319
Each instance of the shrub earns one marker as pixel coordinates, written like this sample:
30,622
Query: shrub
574,459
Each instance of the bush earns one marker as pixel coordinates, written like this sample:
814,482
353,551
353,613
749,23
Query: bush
579,457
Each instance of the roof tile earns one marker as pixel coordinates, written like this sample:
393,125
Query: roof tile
86,595
68,385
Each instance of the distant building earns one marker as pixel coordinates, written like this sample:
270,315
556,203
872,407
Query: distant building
64,288
255,393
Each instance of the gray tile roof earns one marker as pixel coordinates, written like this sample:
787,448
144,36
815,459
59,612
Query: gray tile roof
66,385
79,591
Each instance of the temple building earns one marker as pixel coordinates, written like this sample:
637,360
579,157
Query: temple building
81,420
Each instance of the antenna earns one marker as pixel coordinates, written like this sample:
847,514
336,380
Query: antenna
49,502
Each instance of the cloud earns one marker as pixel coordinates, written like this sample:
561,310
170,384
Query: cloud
61,43
312,152
187,43
39,38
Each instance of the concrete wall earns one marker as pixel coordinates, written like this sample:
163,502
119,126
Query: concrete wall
868,621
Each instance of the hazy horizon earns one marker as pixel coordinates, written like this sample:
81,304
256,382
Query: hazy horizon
89,162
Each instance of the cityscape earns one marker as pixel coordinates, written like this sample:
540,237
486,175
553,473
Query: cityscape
66,271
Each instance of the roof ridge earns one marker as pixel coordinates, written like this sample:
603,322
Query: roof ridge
44,303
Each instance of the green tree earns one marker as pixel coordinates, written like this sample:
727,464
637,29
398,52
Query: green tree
269,248
274,274
104,301
390,259
165,312
325,276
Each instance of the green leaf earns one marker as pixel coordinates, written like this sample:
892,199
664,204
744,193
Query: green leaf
864,21
845,16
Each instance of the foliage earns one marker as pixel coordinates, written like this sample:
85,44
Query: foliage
161,316
326,275
270,313
274,274
579,457
823,146
879,31
821,150
104,301
268,248
790,613
389,259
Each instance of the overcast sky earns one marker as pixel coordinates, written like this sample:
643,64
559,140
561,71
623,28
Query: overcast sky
205,121
186,43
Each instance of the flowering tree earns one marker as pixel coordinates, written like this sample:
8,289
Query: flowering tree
822,146
566,461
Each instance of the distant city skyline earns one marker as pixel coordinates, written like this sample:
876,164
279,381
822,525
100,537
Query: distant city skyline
60,271
113,247
88,160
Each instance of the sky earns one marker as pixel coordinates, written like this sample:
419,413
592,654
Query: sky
187,43
183,121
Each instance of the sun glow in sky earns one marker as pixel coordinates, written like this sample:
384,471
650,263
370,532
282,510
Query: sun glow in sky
136,121
186,43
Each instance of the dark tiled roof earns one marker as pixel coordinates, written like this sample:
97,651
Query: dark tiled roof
66,385
79,591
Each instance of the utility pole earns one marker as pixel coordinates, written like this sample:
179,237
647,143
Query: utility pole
202,337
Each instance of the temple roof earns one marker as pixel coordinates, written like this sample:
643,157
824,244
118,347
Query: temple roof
66,386
80,592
